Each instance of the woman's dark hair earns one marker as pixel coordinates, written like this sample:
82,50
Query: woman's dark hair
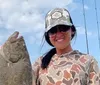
46,59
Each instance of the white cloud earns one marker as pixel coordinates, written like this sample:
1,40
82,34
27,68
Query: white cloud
25,23
50,3
26,16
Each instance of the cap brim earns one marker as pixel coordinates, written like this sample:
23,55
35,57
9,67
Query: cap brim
58,23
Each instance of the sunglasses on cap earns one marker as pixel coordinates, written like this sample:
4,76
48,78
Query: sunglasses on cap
60,28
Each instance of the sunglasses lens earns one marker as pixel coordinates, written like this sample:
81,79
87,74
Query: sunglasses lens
64,28
52,31
60,28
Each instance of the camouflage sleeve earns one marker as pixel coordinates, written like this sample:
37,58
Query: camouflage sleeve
35,71
94,73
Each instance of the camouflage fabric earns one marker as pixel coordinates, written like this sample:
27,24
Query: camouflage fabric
57,16
74,68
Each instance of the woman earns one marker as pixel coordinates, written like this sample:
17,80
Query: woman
62,65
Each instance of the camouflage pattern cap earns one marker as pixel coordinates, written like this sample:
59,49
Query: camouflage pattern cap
57,16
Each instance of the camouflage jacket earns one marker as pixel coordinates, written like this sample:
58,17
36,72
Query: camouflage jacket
74,68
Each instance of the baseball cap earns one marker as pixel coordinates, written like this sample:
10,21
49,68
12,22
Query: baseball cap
57,16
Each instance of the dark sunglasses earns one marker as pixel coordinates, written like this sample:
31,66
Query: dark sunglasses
60,28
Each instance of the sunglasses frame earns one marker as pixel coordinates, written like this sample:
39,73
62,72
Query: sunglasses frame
60,28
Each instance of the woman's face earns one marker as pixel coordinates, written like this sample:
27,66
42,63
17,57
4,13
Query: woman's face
60,36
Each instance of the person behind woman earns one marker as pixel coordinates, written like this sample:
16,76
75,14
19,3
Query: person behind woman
63,65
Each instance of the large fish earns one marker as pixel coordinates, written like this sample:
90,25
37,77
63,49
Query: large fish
15,65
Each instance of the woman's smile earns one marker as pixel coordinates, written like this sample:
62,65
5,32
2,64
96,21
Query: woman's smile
59,40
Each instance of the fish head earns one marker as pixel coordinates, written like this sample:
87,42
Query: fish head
14,48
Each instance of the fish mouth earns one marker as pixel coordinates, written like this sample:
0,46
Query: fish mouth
15,37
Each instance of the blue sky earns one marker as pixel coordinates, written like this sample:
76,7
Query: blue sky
28,17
